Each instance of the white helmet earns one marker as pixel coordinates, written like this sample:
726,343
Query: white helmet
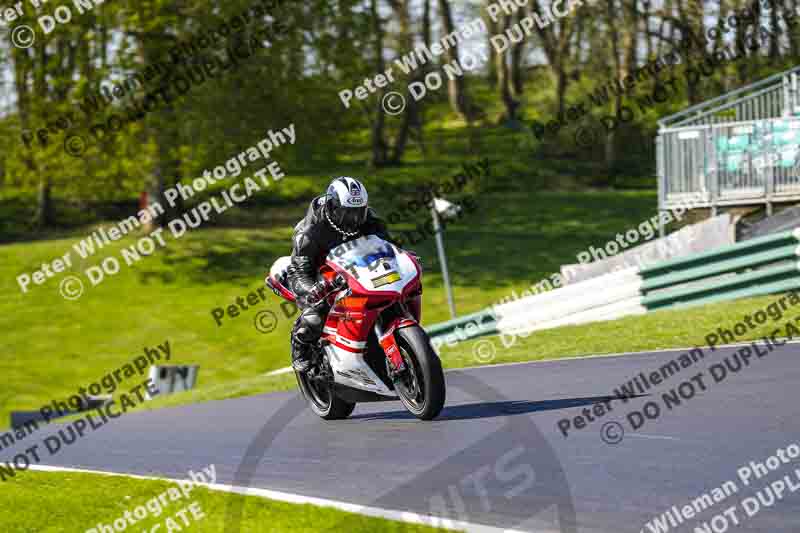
346,205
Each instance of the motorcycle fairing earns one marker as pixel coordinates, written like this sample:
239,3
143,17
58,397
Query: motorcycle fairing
347,332
374,267
378,274
277,278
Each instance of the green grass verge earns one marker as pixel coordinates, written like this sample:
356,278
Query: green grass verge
669,328
57,502
52,346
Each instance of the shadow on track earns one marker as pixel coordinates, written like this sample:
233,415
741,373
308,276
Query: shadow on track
469,411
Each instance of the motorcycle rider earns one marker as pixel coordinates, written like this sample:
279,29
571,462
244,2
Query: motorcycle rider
340,215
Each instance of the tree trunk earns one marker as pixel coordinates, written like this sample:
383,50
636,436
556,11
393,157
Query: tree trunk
379,155
44,208
556,40
22,61
504,80
517,50
792,35
648,39
44,204
426,23
491,29
410,113
774,44
561,88
686,22
457,86
164,129
617,74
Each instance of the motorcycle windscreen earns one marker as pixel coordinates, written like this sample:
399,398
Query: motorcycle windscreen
375,263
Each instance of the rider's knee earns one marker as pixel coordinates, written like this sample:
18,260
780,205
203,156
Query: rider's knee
309,326
305,335
313,320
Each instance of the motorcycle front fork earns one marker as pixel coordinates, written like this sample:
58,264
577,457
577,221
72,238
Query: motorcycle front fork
391,350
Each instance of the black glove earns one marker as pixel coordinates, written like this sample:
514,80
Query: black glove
338,283
315,295
322,289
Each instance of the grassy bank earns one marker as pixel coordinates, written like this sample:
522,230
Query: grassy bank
54,346
56,502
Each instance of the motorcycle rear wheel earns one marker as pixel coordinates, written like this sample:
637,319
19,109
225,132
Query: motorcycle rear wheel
322,400
421,386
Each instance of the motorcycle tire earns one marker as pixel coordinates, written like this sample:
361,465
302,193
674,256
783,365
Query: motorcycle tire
421,387
322,400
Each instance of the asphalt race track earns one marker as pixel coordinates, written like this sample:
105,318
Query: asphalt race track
496,455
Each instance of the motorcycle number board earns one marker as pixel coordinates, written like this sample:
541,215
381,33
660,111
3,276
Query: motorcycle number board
371,260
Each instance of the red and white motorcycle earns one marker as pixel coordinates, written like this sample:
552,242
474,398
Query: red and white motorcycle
373,347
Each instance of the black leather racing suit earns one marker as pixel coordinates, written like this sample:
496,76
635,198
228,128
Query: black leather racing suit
313,238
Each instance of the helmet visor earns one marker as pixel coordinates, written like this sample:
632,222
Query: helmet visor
349,218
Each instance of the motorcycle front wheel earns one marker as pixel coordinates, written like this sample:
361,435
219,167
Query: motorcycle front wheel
421,385
321,398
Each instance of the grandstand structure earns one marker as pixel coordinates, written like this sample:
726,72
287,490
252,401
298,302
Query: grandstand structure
739,149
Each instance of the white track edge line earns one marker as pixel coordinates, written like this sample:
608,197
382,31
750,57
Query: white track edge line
284,370
570,358
287,497
613,354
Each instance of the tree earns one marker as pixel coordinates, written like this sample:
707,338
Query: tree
456,85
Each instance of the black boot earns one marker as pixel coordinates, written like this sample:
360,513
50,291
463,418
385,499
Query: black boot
301,355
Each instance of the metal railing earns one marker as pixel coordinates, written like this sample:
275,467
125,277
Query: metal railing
765,265
741,148
757,267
